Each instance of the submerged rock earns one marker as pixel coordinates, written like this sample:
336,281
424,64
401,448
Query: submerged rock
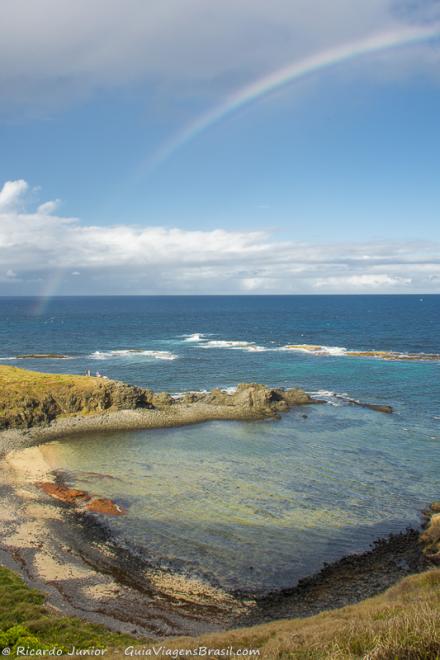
63,493
41,356
81,499
105,506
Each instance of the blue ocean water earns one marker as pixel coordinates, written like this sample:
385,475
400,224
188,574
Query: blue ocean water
252,506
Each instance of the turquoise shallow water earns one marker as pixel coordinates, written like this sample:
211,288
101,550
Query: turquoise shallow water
251,506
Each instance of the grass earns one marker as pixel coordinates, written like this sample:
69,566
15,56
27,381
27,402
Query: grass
26,620
401,624
28,397
16,383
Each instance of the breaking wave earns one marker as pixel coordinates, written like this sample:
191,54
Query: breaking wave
392,356
197,336
249,346
132,352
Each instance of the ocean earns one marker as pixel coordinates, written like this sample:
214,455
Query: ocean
251,507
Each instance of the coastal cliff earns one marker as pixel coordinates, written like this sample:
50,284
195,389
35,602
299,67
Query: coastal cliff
29,399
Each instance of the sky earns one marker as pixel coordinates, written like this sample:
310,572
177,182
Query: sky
222,147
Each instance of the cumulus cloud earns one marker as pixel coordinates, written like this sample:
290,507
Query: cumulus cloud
42,251
52,50
11,193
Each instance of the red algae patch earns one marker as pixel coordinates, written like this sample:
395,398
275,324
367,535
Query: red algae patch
105,506
63,493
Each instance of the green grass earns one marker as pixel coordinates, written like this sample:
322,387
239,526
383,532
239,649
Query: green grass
26,620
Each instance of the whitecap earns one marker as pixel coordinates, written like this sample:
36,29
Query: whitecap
323,393
249,346
133,352
197,336
315,349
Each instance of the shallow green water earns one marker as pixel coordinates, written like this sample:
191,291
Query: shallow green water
256,506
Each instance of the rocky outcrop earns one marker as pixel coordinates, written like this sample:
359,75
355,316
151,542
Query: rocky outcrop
430,537
378,407
253,398
29,399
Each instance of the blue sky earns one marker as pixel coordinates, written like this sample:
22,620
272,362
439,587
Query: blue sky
341,167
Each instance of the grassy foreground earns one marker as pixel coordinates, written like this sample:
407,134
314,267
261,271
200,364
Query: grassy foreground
26,620
403,624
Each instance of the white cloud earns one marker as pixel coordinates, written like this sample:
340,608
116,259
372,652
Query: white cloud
53,50
11,193
365,281
48,207
47,249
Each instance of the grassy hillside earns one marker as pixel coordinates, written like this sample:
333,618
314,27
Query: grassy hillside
403,623
25,620
31,397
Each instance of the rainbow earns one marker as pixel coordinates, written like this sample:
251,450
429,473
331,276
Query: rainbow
292,72
47,292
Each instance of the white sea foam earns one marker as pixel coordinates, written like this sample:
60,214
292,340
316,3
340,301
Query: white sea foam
323,393
180,395
332,398
249,346
197,336
312,349
230,390
132,353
